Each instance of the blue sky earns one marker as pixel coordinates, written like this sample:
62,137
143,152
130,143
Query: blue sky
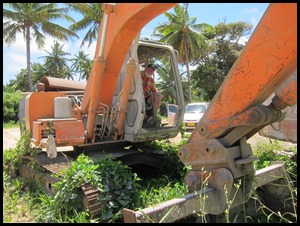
14,56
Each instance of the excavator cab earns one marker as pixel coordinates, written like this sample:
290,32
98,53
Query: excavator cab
67,114
168,82
161,59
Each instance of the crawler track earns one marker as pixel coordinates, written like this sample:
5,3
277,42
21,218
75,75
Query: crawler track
56,165
134,156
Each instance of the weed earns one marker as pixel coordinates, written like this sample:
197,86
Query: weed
121,188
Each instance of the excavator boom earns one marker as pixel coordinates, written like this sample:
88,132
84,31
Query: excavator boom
123,29
111,50
268,59
217,149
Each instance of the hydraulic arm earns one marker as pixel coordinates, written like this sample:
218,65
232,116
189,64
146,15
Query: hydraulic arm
217,149
111,50
109,110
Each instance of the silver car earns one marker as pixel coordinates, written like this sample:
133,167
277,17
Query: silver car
193,113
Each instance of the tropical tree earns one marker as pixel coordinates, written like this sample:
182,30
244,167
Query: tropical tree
55,61
11,106
224,51
21,81
92,15
87,67
228,39
166,83
68,73
182,32
34,20
81,64
38,71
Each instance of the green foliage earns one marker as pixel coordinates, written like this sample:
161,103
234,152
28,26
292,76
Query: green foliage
11,124
223,51
82,65
268,152
185,35
118,187
56,61
119,190
116,184
11,106
171,163
20,83
11,156
34,20
160,190
18,203
92,15
207,78
67,202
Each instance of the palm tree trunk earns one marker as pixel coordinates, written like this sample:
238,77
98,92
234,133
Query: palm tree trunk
187,65
28,57
189,80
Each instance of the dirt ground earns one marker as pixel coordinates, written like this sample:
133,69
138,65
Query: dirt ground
11,136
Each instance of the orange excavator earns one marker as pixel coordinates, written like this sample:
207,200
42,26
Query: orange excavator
109,109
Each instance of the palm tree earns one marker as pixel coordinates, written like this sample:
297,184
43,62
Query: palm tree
81,64
92,15
165,82
55,62
68,73
34,21
87,67
38,71
21,81
184,35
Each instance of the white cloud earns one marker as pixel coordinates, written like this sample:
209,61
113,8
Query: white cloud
15,62
243,40
251,10
255,15
14,56
88,50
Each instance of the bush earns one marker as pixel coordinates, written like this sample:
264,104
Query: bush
11,106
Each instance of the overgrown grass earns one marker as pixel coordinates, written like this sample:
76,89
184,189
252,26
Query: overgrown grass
18,201
119,187
11,124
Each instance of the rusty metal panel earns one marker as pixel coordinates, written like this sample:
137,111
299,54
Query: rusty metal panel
68,131
178,208
54,165
285,130
58,84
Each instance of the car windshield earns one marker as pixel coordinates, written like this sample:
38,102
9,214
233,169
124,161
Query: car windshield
195,108
172,108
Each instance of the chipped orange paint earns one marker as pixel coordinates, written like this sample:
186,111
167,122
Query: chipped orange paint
67,132
40,105
40,109
124,24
